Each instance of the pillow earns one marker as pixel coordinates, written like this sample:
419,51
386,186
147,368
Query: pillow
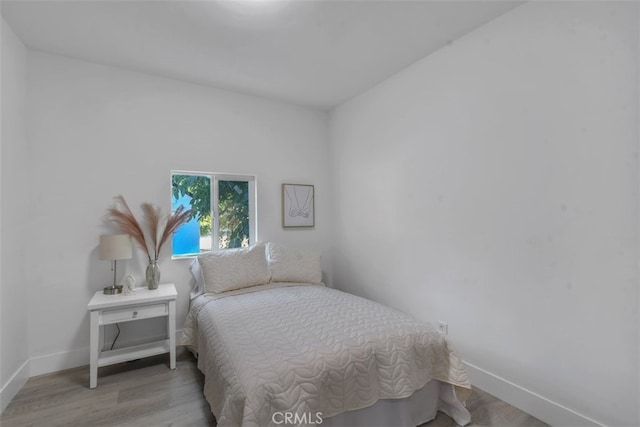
290,265
196,272
231,269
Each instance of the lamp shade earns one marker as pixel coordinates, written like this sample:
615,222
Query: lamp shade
115,246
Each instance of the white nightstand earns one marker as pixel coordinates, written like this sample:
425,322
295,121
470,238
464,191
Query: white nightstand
144,304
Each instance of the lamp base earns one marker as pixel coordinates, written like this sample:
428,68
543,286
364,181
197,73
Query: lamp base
112,290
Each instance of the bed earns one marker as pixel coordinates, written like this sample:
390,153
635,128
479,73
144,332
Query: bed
295,352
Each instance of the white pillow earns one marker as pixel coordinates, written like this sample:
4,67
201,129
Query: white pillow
198,277
230,269
290,265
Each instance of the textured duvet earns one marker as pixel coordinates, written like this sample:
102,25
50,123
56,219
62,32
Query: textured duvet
309,349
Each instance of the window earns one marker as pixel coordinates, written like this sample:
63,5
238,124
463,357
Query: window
223,211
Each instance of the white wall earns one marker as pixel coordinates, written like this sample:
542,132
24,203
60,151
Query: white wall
494,185
97,132
14,225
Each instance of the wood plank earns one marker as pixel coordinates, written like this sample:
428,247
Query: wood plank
147,392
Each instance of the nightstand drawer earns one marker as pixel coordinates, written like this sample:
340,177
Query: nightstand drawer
134,313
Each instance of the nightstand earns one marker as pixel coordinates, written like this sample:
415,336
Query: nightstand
119,308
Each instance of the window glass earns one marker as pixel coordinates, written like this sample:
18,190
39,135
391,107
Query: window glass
223,211
233,208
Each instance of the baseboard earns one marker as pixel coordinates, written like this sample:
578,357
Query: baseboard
47,364
532,403
55,362
80,357
13,386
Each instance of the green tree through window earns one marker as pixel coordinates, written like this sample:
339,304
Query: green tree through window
223,206
198,188
233,208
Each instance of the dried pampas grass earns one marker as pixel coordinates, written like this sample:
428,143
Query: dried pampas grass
152,215
174,221
160,226
127,222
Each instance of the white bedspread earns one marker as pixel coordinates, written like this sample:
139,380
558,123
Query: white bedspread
309,349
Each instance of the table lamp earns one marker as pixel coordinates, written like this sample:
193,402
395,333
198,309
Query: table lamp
114,247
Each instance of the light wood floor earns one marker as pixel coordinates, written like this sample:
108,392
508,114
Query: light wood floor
147,393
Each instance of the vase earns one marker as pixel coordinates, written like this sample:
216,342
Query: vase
153,274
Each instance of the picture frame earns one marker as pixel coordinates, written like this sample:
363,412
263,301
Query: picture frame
298,205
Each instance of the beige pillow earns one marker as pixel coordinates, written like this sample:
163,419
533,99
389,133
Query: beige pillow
290,265
231,269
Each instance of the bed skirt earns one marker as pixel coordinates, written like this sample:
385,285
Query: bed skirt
417,409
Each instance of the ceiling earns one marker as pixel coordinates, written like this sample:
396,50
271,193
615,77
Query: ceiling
314,53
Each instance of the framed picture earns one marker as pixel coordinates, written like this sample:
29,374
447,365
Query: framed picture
298,207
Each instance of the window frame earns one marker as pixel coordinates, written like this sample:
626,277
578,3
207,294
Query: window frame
215,178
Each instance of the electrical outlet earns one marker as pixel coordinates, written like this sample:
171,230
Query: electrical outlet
443,328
